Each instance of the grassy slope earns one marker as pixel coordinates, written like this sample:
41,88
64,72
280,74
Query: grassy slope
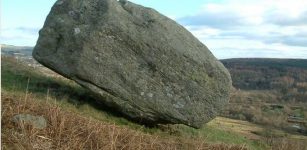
26,90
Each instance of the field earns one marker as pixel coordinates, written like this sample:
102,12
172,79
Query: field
76,121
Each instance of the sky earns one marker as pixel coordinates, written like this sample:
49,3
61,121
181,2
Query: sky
229,28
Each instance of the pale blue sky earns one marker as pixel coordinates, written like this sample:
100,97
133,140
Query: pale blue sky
21,20
230,28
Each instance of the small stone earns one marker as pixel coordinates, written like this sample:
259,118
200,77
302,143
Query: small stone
38,122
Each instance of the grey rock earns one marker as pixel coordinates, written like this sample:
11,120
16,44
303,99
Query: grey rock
135,60
36,121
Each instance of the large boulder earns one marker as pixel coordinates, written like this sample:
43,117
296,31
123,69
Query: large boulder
135,60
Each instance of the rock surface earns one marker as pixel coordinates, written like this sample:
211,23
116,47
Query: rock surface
38,122
135,60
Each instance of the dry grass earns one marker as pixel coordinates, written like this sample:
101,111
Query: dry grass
276,139
286,144
67,130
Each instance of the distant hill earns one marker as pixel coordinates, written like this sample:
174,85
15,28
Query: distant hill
10,50
265,62
286,76
265,74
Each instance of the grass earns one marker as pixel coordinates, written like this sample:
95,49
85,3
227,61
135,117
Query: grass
77,121
69,130
16,76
